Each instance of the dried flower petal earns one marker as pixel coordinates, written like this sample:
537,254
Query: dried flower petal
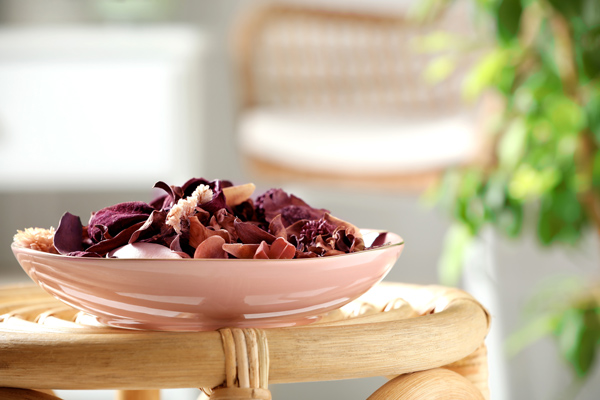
235,195
276,227
185,208
291,208
212,247
114,219
199,233
240,250
250,233
39,239
120,239
68,236
279,249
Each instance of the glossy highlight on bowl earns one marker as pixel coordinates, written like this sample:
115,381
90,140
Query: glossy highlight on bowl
208,294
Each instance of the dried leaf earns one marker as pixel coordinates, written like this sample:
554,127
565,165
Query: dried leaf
240,250
212,247
68,236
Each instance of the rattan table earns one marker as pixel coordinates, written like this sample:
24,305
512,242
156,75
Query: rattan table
428,340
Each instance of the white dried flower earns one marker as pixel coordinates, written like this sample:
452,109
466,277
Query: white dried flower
40,239
185,208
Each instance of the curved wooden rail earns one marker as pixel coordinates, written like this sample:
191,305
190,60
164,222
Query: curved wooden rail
452,326
433,384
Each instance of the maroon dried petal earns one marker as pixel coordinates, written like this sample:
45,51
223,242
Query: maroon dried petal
348,243
199,233
153,227
379,241
68,237
249,233
277,229
84,254
180,244
311,229
119,240
245,210
117,218
291,208
224,220
217,203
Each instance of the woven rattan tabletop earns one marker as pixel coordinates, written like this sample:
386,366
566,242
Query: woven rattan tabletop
393,330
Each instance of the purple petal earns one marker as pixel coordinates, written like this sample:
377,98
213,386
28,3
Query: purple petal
250,233
69,234
84,254
119,240
117,218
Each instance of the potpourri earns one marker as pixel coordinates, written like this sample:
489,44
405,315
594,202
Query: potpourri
203,219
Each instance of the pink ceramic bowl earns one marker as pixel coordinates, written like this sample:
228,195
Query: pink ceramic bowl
207,294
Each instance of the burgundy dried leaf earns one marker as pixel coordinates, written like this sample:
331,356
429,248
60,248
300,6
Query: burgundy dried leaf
164,201
212,247
348,243
68,237
379,241
180,244
84,254
199,233
244,211
276,227
117,218
152,227
249,233
119,240
225,220
240,250
291,208
279,249
217,203
339,223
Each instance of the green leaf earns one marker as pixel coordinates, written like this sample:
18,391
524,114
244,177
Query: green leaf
508,19
439,69
578,333
537,328
565,115
484,73
596,170
512,144
438,41
592,108
511,219
561,217
457,241
590,12
528,183
569,8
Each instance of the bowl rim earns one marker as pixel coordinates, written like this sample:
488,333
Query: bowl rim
400,242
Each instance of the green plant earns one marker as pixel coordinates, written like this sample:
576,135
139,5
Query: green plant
544,63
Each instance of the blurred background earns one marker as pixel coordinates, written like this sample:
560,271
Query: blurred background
357,107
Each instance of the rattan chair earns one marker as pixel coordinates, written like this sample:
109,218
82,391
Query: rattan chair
339,97
428,340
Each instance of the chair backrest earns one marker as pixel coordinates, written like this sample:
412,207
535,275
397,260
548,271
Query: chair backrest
307,58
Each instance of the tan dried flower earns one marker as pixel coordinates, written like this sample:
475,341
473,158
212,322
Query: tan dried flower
185,208
37,239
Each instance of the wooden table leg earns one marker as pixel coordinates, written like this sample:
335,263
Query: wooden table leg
25,394
138,395
434,384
